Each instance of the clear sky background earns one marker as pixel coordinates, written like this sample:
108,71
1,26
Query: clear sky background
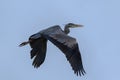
99,39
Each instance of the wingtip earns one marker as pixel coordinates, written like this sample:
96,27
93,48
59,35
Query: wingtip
80,72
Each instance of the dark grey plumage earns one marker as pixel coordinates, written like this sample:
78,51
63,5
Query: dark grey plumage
59,38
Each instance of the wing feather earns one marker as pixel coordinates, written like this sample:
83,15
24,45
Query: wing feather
69,47
38,51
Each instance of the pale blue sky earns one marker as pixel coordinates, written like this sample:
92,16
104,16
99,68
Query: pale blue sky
99,39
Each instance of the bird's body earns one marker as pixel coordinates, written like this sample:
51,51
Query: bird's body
59,38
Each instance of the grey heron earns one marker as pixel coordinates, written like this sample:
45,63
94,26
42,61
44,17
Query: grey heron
67,44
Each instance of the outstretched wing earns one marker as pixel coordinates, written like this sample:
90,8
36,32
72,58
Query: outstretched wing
38,45
69,47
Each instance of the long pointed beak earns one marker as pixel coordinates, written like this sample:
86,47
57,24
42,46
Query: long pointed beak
77,25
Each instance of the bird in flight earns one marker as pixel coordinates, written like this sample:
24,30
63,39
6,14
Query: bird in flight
60,38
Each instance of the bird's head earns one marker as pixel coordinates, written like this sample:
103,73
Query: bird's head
72,25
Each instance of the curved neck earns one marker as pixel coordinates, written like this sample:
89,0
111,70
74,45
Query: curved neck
66,29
